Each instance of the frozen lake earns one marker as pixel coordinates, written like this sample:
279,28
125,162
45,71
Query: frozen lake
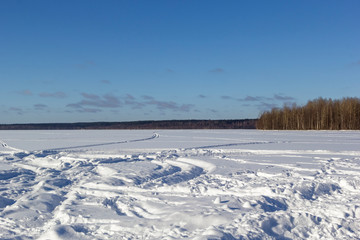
179,184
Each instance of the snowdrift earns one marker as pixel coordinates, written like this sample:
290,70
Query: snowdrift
179,184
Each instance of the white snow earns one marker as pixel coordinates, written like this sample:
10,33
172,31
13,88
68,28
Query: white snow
179,184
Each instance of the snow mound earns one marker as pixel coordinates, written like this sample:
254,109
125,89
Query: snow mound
206,184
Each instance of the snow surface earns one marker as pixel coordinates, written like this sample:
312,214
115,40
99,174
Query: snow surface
180,184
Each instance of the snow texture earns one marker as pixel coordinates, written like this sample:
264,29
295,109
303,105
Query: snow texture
180,184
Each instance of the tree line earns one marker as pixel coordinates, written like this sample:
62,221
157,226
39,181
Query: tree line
318,114
166,124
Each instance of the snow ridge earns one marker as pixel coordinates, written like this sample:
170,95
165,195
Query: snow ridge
270,185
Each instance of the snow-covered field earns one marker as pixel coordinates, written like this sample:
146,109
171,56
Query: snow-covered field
174,184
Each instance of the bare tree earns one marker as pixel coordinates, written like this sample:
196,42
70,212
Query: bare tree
318,114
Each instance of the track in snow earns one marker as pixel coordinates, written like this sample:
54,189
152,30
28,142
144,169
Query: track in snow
155,135
218,191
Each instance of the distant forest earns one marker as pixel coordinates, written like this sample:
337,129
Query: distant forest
318,114
168,124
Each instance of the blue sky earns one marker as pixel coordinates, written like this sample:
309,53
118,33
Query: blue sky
93,60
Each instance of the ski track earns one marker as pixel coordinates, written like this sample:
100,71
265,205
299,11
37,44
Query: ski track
217,191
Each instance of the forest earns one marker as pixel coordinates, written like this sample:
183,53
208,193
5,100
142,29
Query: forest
166,124
318,114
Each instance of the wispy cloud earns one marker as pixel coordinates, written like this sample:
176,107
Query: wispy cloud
217,70
355,64
275,97
52,95
132,102
96,103
105,82
26,92
263,106
253,99
40,106
169,105
85,65
89,110
225,97
202,96
92,100
275,101
263,103
129,97
161,105
146,97
18,111
283,98
246,99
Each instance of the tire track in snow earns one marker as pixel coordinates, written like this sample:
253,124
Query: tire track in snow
20,153
52,190
155,135
5,145
228,145
58,212
254,194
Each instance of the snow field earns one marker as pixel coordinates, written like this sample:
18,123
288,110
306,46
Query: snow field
206,184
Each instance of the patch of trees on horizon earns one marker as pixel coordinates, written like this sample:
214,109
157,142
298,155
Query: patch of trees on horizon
166,124
318,114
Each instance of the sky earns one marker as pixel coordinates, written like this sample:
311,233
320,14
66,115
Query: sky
118,60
